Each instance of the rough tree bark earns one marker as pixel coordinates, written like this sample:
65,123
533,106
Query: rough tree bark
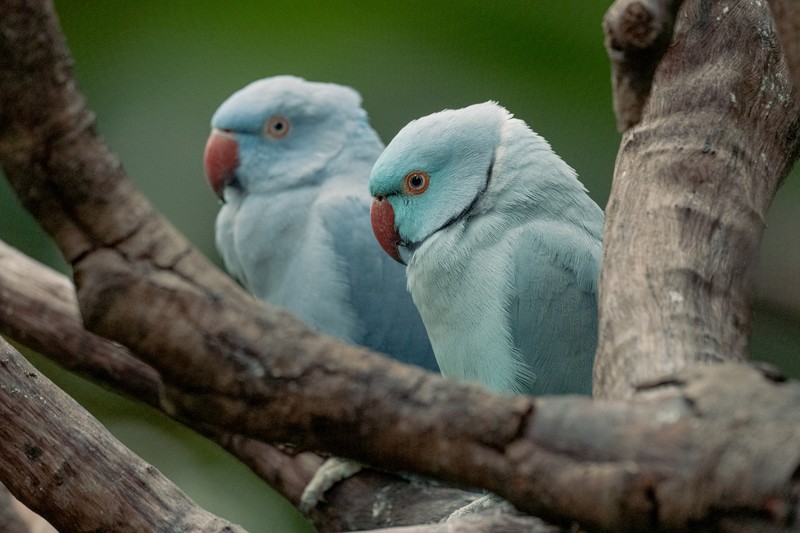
717,136
40,310
689,452
45,447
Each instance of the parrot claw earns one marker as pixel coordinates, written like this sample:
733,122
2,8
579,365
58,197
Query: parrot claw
331,472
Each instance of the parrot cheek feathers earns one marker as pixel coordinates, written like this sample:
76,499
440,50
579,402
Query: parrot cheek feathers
381,215
220,159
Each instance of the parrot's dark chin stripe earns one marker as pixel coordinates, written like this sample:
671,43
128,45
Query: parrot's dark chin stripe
233,182
465,213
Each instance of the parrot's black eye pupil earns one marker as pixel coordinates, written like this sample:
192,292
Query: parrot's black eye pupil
416,182
277,127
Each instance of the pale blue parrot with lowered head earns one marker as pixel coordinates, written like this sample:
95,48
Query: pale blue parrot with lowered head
291,159
504,247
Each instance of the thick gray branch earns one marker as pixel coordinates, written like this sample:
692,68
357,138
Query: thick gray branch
39,309
63,464
692,184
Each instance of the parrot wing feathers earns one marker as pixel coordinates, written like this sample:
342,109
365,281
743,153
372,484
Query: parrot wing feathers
554,308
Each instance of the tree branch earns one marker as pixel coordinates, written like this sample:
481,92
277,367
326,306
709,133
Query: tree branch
59,461
559,428
638,33
40,310
718,135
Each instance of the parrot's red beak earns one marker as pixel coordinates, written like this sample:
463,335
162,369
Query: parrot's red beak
381,215
220,159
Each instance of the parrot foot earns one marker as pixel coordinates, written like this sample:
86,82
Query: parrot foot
489,501
331,472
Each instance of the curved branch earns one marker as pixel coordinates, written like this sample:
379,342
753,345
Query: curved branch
40,311
58,460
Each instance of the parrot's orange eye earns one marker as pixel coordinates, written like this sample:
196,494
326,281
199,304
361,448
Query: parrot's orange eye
277,127
417,182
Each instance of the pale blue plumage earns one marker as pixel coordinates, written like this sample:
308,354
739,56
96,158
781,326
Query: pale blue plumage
505,247
294,226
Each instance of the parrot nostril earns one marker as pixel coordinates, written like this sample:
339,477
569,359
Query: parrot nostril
380,198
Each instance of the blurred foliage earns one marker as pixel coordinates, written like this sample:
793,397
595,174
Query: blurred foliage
155,71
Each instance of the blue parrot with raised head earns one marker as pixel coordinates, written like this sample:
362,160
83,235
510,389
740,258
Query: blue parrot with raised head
504,249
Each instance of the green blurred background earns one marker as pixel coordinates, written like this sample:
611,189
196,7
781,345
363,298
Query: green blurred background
154,72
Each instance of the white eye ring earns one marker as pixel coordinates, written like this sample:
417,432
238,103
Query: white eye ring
416,182
277,127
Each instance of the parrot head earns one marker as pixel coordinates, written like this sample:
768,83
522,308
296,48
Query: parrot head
432,174
260,136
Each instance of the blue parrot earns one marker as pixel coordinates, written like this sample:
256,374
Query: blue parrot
504,246
291,159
